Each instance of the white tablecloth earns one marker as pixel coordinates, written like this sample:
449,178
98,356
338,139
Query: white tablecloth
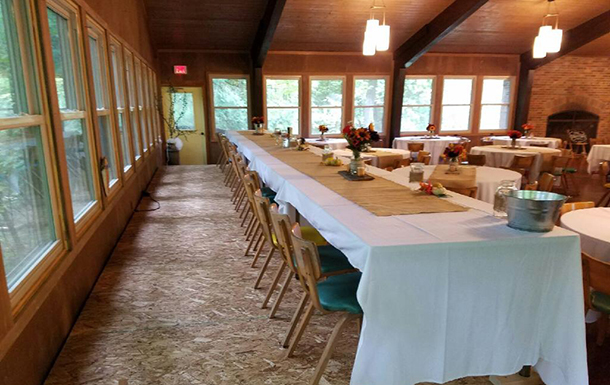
347,154
505,141
593,225
488,179
497,156
436,147
598,153
333,143
447,295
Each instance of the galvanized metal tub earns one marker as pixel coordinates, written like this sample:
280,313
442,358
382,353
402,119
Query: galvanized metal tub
533,210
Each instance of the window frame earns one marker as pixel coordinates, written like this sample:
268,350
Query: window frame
132,102
343,102
139,94
96,31
511,104
473,99
432,105
151,107
299,107
213,108
386,100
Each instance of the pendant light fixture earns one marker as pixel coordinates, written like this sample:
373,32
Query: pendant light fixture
549,36
376,36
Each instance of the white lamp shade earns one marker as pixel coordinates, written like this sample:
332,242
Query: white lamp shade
553,40
368,47
372,29
383,38
539,47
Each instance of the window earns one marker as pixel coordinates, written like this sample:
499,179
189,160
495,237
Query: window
63,25
369,102
327,104
101,86
417,104
183,111
495,103
283,103
117,72
28,231
230,101
140,97
457,104
133,112
147,104
157,105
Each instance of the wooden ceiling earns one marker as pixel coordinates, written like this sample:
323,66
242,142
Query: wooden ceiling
500,26
204,24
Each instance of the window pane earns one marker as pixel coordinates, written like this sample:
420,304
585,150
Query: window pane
63,60
231,118
494,117
184,111
13,99
124,141
330,117
417,91
135,133
26,218
457,91
135,130
456,118
415,119
98,79
283,92
496,91
117,75
282,118
108,146
327,93
369,92
79,165
230,92
363,116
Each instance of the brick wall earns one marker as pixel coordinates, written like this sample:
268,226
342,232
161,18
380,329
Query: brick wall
572,83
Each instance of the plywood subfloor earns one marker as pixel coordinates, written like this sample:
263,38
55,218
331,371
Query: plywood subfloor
175,304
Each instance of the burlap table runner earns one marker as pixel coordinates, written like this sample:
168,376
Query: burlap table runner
380,196
385,158
465,179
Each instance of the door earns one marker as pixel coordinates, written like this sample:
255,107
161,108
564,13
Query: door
188,111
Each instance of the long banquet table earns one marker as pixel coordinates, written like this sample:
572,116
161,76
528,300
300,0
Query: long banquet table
446,295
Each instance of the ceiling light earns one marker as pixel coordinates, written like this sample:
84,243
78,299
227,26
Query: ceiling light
549,36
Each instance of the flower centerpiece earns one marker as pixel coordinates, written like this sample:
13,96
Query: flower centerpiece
514,135
323,130
431,129
358,140
258,122
454,152
528,129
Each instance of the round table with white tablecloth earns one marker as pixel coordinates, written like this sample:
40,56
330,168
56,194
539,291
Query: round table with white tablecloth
434,145
598,154
333,143
505,141
379,157
501,156
488,179
593,225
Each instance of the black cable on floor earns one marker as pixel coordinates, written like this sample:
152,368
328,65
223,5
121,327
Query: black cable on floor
147,194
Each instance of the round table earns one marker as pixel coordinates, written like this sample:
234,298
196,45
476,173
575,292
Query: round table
598,154
333,143
488,179
593,225
434,145
500,156
505,141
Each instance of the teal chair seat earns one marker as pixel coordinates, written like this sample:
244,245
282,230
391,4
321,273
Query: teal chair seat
338,293
601,301
332,259
269,194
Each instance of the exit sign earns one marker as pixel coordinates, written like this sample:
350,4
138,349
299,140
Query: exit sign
180,70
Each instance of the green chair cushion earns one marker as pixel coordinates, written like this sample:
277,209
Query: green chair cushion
570,170
332,259
601,301
338,293
269,194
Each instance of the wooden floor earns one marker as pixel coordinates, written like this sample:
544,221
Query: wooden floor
175,304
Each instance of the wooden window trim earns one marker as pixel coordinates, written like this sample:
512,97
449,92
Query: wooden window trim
211,78
510,104
299,107
473,98
342,107
386,100
433,102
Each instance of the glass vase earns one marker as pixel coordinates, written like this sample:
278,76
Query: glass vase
356,162
505,187
513,142
454,166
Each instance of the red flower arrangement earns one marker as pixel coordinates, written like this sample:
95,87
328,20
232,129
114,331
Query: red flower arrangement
359,138
514,134
454,151
258,120
322,128
527,127
431,128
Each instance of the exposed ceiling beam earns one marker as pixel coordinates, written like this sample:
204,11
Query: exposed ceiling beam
433,32
572,40
266,30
